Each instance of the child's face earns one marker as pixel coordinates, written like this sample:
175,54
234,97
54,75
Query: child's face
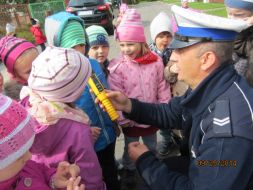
99,52
14,168
80,48
130,49
240,14
162,40
185,4
23,65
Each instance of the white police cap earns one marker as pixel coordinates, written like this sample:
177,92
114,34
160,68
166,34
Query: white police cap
240,4
195,27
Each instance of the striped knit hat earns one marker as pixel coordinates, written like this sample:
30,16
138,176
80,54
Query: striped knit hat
97,35
59,74
73,34
16,131
56,24
130,28
10,50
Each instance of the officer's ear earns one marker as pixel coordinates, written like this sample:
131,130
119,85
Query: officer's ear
208,61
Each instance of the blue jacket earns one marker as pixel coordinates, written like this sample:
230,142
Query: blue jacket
217,116
98,117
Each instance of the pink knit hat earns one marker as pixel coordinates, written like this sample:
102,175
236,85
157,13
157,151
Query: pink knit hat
130,28
59,74
16,131
123,7
11,48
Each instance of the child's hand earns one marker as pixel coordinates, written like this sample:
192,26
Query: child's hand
64,172
95,131
73,184
174,68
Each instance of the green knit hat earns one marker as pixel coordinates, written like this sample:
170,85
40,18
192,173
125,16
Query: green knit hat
72,35
97,35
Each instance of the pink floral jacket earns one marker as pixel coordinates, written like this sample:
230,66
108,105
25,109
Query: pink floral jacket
144,82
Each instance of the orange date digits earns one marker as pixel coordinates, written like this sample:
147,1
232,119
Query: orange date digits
216,163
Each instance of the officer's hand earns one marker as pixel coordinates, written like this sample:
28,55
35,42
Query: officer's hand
135,150
120,101
73,184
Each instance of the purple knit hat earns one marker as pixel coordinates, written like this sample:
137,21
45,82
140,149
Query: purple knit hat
16,131
130,28
59,74
10,49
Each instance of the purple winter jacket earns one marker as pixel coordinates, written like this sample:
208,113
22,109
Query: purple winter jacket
33,176
70,141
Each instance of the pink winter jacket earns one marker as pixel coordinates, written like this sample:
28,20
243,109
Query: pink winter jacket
70,141
33,176
144,82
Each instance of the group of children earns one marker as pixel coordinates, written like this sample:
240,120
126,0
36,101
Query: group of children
68,125
57,136
57,119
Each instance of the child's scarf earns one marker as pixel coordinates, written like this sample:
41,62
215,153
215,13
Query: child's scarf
148,58
50,112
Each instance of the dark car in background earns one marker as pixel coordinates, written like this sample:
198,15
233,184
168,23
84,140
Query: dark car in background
93,12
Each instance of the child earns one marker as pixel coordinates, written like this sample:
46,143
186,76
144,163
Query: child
242,10
122,10
70,34
17,55
57,79
17,171
39,37
10,30
99,46
106,138
185,4
161,35
138,73
66,30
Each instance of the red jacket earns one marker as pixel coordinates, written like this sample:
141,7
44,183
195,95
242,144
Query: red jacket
38,35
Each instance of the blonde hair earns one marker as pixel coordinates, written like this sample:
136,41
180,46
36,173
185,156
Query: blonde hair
28,51
144,49
21,57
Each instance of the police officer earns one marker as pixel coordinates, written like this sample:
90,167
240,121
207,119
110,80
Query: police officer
216,112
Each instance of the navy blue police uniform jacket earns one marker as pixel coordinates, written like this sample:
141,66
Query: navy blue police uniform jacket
217,117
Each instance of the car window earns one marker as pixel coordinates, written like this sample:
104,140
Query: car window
82,2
